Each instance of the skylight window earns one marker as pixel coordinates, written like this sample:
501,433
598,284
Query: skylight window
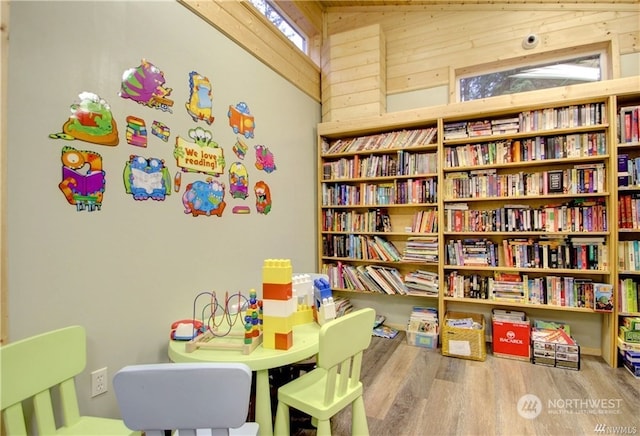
550,74
281,22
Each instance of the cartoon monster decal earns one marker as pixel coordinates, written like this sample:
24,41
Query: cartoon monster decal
83,180
264,159
263,197
204,198
202,156
200,102
146,178
241,120
145,85
238,181
90,121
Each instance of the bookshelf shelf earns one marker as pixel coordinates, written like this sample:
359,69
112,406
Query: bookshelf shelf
527,270
516,186
518,304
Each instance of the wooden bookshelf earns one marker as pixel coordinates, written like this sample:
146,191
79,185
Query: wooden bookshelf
555,183
627,166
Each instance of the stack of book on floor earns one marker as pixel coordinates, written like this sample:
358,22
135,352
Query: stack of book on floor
629,337
552,345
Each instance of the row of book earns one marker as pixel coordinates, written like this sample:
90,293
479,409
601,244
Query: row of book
376,220
578,253
526,150
369,278
403,163
520,288
425,221
629,211
581,179
590,114
360,247
575,216
581,253
628,295
629,255
416,191
410,191
343,194
629,125
382,141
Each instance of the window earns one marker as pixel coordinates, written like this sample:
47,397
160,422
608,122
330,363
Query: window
539,75
280,21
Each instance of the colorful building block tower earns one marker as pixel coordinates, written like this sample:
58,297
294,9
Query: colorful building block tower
278,304
253,318
325,308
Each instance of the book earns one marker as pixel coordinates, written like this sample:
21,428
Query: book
603,295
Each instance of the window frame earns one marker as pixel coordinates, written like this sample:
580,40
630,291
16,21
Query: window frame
286,18
603,49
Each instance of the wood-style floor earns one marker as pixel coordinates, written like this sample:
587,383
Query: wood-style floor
415,391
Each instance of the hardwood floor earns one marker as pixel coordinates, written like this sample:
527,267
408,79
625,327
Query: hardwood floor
415,391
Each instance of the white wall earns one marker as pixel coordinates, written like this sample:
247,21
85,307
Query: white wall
129,270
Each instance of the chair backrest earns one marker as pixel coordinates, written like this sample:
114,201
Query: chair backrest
342,342
31,367
183,396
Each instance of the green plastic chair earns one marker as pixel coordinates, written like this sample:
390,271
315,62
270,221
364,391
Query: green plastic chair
40,370
335,383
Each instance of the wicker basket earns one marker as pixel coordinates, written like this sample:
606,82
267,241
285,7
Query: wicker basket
461,342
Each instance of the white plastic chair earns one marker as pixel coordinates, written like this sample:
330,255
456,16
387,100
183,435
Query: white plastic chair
188,397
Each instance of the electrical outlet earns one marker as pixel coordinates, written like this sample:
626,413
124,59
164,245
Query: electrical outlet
99,381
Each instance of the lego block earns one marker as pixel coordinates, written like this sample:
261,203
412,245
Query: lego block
277,291
304,315
277,324
327,311
284,341
279,308
321,290
277,271
303,288
269,340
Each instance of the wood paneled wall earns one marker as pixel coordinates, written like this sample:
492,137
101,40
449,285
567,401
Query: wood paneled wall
426,43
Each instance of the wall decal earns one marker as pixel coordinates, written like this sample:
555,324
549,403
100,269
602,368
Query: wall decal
241,120
83,180
177,181
263,197
160,130
241,210
204,198
90,121
238,180
145,85
146,178
136,131
202,156
200,103
240,148
264,159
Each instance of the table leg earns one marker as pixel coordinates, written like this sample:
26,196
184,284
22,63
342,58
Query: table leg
263,403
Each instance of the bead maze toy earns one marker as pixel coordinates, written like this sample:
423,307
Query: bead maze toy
219,319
